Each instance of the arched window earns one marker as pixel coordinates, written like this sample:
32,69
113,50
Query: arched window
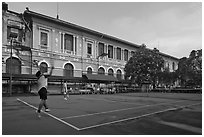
89,70
119,74
68,70
110,72
43,67
101,70
15,66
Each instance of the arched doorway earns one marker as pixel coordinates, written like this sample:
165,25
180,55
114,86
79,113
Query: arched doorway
110,72
101,71
68,70
15,64
89,70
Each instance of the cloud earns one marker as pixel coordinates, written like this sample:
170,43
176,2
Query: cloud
131,29
179,46
175,32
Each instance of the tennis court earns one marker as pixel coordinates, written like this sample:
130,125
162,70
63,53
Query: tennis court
119,113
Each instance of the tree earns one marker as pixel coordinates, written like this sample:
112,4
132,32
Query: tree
182,70
167,78
144,65
190,69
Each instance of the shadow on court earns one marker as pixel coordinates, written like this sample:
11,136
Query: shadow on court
101,115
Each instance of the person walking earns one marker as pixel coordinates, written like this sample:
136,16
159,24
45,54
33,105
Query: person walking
42,89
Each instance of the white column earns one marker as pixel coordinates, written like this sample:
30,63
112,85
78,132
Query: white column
121,54
96,49
123,57
52,39
114,53
129,53
63,42
82,48
92,49
39,37
60,42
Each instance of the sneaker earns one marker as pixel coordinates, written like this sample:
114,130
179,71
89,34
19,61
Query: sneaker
39,116
47,110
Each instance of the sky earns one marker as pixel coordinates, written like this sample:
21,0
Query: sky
175,28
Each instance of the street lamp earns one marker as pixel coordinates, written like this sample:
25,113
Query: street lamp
13,34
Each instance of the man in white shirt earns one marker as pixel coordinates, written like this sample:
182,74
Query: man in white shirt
42,89
65,91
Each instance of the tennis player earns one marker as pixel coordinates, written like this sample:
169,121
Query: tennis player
65,91
42,89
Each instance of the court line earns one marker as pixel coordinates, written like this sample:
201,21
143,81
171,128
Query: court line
182,126
99,99
56,118
119,110
132,118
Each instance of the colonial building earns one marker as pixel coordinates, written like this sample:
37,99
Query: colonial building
13,41
78,48
73,50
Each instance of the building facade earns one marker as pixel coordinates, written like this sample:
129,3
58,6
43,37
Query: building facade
72,49
13,33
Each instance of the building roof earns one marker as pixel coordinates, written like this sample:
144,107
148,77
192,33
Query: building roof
89,31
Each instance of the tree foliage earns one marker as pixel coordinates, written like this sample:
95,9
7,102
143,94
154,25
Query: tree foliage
190,69
167,78
144,65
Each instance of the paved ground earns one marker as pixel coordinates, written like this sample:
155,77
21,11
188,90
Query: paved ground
118,114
